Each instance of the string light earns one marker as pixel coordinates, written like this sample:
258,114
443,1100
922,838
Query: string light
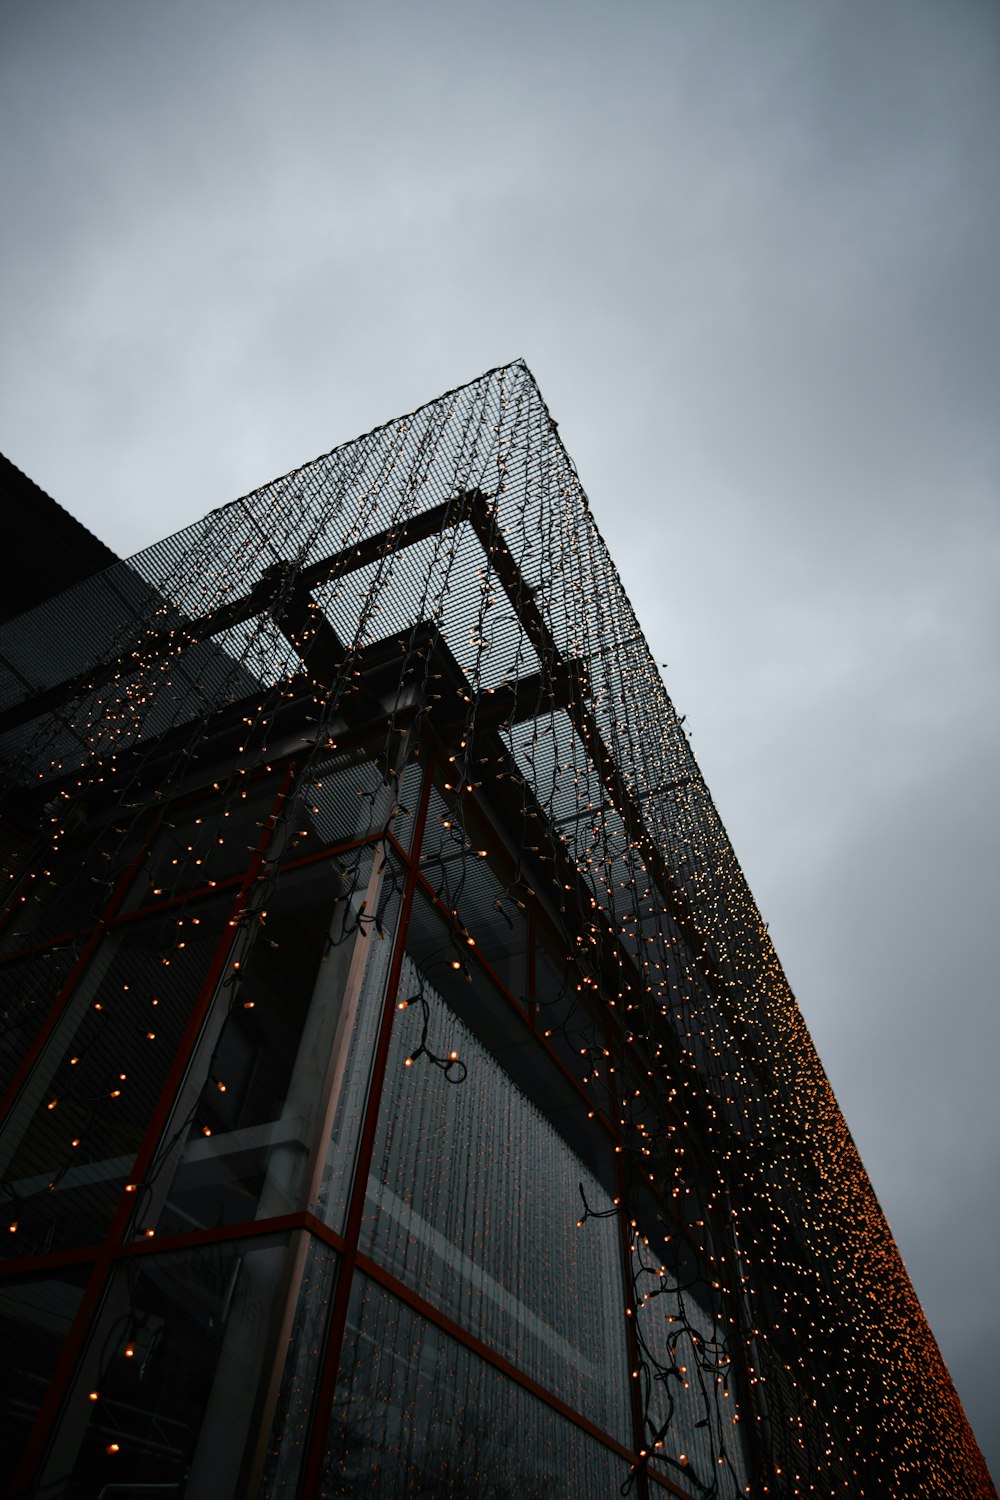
758,1260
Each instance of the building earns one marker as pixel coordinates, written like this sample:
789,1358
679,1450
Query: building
402,1094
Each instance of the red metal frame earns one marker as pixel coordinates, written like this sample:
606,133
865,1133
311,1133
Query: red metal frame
183,899
593,1107
461,1335
65,992
192,1239
303,1220
65,1365
354,1260
105,1256
323,1403
115,1247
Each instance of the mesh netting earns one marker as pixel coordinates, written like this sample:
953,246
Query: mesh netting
801,1286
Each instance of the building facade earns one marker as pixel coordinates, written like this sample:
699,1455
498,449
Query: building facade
402,1096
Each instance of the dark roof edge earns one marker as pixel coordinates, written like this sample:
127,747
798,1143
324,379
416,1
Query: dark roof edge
47,548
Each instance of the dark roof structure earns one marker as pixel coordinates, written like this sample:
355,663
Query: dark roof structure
48,549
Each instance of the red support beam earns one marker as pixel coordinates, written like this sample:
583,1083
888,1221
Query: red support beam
462,1336
65,992
326,1386
62,1376
183,899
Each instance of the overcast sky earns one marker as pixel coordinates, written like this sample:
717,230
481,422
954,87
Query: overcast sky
750,251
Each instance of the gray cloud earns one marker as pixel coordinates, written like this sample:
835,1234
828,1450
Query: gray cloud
749,251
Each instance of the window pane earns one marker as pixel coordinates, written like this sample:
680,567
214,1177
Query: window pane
28,987
69,889
207,840
35,1316
179,1362
474,1201
472,889
251,1106
68,1147
290,1424
348,797
417,1414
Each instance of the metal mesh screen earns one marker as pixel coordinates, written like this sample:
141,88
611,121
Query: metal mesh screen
811,1294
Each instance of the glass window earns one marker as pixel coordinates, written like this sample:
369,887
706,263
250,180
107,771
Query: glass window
249,1111
286,1449
67,1148
36,1314
475,1201
348,797
207,840
467,884
173,1383
417,1414
69,889
28,987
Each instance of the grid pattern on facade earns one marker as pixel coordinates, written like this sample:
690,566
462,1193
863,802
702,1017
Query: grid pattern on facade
387,1016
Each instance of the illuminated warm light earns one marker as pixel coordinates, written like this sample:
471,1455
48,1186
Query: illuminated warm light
757,1288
